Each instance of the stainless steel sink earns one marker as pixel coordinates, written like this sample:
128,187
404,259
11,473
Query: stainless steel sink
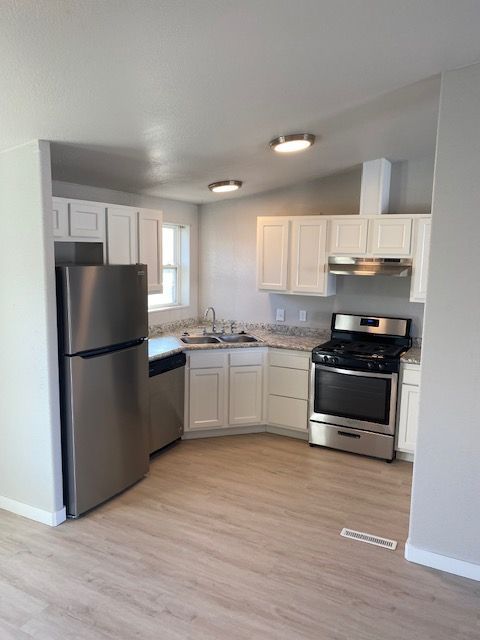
200,340
238,337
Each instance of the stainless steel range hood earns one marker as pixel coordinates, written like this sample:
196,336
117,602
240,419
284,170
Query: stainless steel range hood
347,266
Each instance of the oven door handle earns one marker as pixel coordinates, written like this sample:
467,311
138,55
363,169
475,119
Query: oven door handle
360,374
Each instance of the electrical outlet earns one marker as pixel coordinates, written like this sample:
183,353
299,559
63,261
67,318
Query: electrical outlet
280,316
302,315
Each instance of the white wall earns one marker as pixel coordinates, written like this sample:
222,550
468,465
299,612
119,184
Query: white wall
30,452
228,249
445,516
174,211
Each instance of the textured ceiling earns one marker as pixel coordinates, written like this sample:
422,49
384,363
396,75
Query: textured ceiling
164,97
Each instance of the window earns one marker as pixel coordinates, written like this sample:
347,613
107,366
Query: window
175,256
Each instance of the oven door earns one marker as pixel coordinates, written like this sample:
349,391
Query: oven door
357,399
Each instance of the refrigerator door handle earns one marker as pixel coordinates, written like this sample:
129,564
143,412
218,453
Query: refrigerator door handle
96,353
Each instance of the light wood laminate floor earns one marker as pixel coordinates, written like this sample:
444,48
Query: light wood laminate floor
234,538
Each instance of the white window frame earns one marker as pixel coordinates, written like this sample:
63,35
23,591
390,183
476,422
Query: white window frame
181,264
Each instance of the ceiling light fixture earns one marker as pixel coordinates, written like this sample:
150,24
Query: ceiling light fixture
292,143
224,186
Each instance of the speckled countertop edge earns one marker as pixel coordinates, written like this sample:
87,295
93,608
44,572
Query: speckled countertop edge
167,345
162,346
412,356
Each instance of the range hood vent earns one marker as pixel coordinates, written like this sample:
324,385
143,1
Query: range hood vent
346,266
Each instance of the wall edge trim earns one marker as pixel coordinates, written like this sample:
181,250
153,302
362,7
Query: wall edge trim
442,563
52,519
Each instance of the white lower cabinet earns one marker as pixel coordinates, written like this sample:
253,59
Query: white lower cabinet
207,398
408,408
225,389
288,382
246,395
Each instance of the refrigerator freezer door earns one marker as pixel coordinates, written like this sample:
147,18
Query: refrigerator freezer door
105,425
102,305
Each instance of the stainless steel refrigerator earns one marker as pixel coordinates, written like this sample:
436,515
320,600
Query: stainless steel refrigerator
103,328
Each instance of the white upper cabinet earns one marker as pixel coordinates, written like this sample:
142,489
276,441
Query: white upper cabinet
272,253
421,255
86,220
390,236
78,220
308,265
348,236
60,217
150,246
122,235
292,255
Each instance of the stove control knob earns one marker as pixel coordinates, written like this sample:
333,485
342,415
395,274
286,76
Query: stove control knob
325,358
381,367
335,360
370,365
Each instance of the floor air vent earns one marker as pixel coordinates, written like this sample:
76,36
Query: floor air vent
369,539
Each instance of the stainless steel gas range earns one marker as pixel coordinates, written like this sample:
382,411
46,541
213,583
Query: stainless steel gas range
354,381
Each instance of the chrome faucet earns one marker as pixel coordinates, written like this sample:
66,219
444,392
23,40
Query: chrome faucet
213,317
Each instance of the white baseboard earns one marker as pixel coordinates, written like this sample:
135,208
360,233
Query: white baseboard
404,455
223,431
285,431
39,515
443,563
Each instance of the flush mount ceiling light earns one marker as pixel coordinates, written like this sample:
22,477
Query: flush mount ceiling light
225,185
292,143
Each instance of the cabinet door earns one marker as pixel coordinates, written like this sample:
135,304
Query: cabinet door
421,256
288,412
150,246
408,419
348,236
122,236
390,236
60,218
272,253
207,398
308,267
246,391
86,220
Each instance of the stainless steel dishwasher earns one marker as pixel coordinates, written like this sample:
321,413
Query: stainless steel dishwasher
167,398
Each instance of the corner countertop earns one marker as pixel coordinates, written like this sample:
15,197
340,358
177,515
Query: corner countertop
412,356
167,345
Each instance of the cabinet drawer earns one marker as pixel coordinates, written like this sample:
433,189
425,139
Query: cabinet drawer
290,360
411,376
288,412
206,359
246,357
292,383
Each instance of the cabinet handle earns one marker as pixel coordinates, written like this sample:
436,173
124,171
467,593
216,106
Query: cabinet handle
348,435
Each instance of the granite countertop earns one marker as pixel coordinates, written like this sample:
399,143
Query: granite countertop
412,356
167,345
